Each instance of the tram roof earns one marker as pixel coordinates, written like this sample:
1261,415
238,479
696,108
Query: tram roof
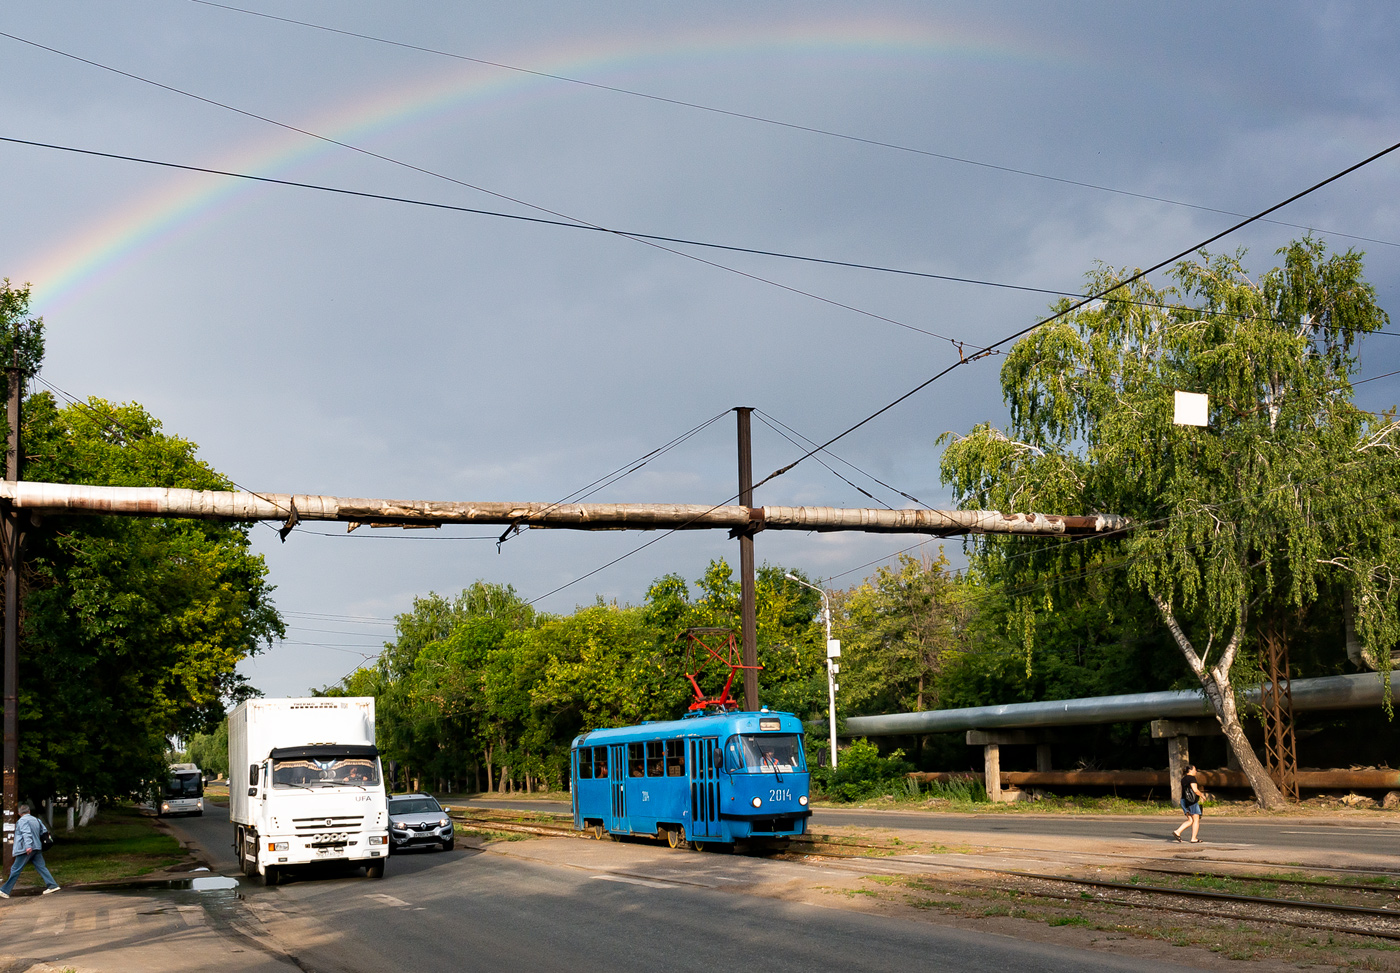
695,726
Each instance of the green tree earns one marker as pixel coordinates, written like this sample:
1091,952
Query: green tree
209,751
1240,526
897,631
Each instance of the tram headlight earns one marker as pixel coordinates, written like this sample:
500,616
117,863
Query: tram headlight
802,800
757,802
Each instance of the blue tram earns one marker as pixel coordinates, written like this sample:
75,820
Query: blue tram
702,779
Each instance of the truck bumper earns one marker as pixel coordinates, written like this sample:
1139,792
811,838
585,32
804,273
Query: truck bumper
295,850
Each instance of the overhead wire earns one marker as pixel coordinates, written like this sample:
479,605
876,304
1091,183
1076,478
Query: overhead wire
766,120
655,244
861,490
867,473
982,353
1076,305
681,241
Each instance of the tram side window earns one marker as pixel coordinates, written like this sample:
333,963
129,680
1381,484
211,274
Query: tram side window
656,760
585,763
675,758
600,762
636,762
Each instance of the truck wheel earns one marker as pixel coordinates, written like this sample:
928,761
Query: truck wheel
374,870
271,875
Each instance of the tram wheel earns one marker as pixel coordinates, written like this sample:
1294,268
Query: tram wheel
598,833
698,845
676,837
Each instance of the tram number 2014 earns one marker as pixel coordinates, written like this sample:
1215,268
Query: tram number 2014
779,794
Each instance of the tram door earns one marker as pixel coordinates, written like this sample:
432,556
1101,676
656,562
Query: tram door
704,764
617,777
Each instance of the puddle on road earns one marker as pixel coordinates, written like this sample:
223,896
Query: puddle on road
214,883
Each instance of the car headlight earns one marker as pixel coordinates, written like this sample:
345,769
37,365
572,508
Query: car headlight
757,802
444,822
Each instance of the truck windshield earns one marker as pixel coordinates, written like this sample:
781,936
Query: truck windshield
312,772
764,753
184,785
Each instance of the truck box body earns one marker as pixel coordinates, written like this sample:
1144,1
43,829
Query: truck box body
305,784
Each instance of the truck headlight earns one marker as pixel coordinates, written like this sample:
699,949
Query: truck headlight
802,800
378,839
276,846
757,802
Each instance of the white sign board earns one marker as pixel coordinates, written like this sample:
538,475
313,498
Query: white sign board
1192,409
833,648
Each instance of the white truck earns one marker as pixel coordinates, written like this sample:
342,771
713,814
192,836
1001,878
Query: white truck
305,785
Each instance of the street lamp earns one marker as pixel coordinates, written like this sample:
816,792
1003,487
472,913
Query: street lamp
833,652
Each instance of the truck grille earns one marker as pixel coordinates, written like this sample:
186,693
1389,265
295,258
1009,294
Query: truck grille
333,823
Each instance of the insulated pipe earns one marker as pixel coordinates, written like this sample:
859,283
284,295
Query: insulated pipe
1327,692
58,498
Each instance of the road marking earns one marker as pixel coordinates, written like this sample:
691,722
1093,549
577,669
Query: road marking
1377,832
387,900
635,881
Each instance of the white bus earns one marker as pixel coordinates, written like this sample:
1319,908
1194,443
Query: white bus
183,792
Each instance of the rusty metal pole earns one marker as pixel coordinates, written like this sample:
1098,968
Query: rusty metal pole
11,529
747,594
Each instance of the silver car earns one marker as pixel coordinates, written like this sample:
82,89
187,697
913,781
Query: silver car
418,819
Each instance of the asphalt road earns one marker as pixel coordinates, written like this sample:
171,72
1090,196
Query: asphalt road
466,910
1299,833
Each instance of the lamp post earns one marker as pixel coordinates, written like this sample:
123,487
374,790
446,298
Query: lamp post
833,652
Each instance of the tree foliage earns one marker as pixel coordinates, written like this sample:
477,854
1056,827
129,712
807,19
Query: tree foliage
1286,500
130,629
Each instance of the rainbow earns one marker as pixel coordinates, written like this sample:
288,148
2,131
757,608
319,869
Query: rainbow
187,202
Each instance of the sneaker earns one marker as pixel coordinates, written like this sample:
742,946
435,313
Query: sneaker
47,891
4,895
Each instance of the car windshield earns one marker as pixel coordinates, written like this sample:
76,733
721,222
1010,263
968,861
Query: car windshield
315,771
417,805
764,753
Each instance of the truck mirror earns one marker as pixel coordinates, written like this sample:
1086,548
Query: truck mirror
252,792
253,774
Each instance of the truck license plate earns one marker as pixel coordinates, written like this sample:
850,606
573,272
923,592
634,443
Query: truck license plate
327,852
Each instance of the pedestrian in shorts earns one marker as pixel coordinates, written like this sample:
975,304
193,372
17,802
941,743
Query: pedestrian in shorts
1191,797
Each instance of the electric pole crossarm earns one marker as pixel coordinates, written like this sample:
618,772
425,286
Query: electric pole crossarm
237,505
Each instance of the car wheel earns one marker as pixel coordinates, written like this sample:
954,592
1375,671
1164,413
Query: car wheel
449,844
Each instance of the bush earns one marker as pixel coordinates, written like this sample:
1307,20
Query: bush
863,773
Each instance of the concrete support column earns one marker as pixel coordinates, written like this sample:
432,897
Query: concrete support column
1178,758
991,762
1042,757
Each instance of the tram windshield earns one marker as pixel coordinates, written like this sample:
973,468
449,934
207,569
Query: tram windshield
764,753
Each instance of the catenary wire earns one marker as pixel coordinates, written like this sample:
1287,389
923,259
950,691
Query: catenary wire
812,442
766,120
681,241
861,490
1074,306
988,349
654,244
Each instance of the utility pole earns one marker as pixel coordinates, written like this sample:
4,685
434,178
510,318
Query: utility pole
10,519
833,652
747,594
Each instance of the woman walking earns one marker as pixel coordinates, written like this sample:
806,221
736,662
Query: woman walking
29,850
1191,796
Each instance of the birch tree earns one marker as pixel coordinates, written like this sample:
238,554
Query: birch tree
1287,496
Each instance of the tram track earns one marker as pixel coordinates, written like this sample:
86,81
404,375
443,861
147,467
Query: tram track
1298,913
